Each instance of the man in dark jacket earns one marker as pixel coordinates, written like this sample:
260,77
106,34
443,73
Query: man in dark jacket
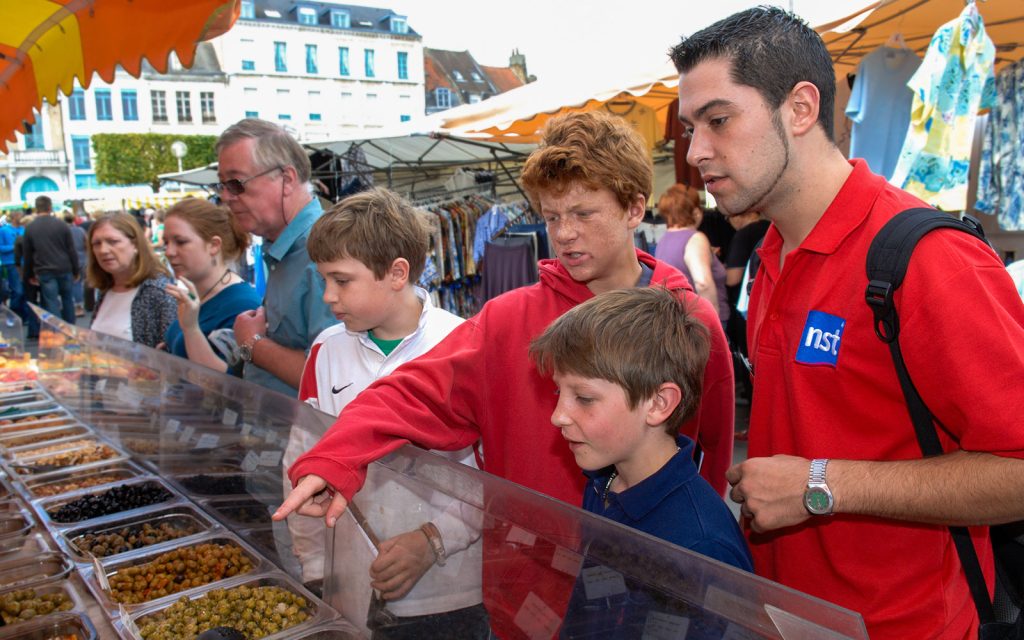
51,261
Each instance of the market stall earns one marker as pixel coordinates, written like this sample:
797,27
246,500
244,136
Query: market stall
138,487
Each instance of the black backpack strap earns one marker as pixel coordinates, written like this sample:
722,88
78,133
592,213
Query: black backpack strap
887,262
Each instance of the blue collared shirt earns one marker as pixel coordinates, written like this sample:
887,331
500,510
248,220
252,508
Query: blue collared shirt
294,302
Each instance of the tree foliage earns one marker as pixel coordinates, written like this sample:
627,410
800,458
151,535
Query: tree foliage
138,158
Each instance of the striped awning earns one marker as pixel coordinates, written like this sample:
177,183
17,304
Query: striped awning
46,44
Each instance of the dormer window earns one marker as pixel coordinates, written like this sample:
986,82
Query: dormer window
272,13
399,25
458,76
248,9
340,19
476,77
307,15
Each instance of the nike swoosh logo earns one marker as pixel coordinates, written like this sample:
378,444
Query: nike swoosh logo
336,390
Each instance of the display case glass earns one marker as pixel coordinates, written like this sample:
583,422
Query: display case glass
220,446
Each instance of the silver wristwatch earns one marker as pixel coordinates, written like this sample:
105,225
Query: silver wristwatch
818,498
245,350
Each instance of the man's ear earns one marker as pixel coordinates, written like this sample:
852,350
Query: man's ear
665,400
289,179
805,105
398,273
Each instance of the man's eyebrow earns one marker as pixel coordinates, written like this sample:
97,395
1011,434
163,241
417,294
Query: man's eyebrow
712,104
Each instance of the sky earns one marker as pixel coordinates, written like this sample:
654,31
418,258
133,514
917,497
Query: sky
563,37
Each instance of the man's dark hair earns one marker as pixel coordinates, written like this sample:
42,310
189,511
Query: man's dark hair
770,50
44,204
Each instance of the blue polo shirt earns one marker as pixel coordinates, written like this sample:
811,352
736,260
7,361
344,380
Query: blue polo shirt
674,504
294,301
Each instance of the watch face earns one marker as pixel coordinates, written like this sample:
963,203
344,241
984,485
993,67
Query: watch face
245,353
818,501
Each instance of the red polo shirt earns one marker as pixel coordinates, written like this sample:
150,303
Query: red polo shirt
825,387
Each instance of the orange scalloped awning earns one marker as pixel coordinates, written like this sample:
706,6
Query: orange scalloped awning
46,44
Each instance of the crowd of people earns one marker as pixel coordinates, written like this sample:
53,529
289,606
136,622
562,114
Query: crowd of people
617,385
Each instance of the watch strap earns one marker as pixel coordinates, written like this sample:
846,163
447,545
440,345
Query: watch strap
817,472
436,543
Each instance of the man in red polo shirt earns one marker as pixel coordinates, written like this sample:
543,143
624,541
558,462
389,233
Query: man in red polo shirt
756,93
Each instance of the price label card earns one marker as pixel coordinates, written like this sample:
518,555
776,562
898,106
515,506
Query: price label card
230,417
270,458
208,441
129,396
173,426
566,561
662,626
101,385
186,434
246,429
251,461
537,620
520,536
602,582
270,437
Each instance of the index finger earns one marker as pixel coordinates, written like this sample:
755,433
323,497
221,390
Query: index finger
306,489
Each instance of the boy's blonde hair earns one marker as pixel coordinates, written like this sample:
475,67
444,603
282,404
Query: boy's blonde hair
636,338
375,227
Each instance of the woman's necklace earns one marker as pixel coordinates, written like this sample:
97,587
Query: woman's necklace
220,280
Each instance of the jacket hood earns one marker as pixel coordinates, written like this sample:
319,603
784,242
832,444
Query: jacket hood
555,276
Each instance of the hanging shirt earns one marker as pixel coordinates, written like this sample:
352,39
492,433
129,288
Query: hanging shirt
1001,173
879,107
642,118
953,82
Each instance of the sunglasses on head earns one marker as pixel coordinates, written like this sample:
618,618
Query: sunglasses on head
236,187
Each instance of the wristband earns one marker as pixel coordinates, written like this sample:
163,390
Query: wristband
436,544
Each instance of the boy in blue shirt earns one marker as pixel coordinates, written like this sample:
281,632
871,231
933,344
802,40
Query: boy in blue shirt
629,365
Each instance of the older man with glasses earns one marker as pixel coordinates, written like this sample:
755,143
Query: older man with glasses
265,182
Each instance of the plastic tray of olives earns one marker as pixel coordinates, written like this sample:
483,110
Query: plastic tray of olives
60,626
246,512
269,606
239,484
42,449
158,529
64,460
136,579
28,546
44,435
102,503
70,481
27,571
21,604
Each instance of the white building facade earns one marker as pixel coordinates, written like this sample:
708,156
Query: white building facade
36,162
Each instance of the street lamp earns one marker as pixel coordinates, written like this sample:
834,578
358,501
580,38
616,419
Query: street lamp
179,149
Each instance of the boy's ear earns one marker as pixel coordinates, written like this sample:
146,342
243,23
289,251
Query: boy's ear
666,399
399,273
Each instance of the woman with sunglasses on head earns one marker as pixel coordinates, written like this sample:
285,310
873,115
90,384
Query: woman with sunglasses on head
133,302
200,241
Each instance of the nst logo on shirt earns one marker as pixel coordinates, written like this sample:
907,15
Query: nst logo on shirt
819,343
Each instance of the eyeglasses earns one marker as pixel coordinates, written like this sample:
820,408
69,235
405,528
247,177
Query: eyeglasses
236,187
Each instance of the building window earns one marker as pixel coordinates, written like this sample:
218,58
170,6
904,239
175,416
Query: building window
206,106
340,19
184,102
76,105
403,65
311,66
476,77
280,57
399,25
248,10
404,118
252,114
307,15
103,108
159,102
443,97
458,76
34,136
86,181
368,62
248,65
474,98
80,151
343,61
315,117
130,104
284,116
